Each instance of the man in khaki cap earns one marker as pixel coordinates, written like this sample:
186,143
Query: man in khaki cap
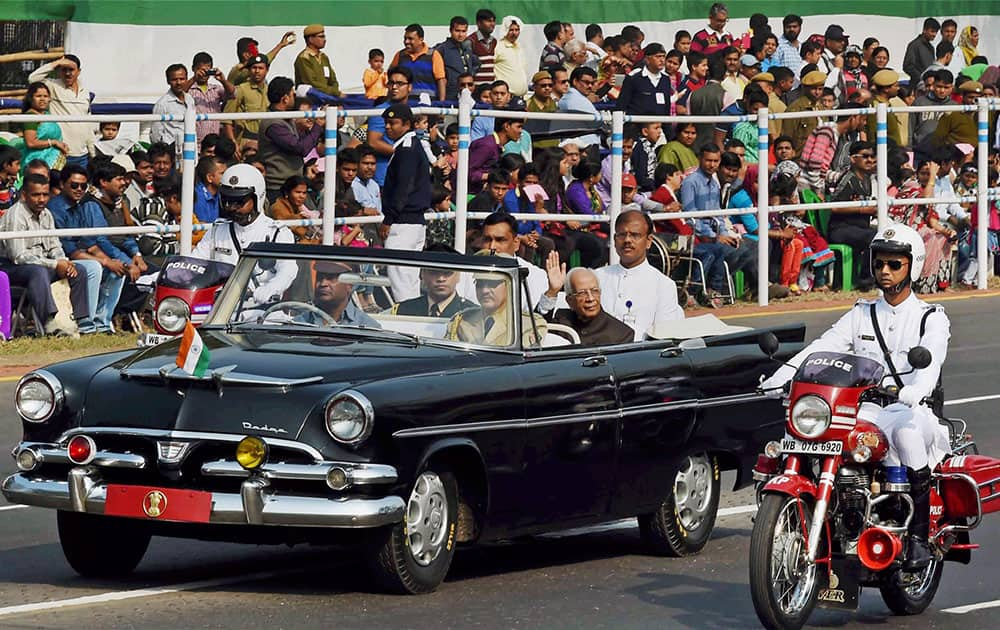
798,129
885,85
960,127
312,66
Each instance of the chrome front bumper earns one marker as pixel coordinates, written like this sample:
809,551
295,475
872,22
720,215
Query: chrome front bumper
256,504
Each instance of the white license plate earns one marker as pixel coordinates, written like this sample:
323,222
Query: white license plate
154,339
791,445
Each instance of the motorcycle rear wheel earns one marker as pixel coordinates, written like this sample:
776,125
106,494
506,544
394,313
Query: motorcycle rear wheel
783,584
913,599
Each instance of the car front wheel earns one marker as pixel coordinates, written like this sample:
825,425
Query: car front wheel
102,546
414,556
684,521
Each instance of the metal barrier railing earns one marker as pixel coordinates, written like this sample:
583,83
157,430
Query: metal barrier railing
617,120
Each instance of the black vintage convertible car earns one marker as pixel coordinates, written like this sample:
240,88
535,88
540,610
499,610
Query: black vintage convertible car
308,419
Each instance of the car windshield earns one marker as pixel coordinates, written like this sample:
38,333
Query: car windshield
839,370
413,302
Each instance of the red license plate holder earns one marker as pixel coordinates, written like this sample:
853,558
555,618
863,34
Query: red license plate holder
158,504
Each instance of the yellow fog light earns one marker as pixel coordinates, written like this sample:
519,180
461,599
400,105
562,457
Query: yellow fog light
251,452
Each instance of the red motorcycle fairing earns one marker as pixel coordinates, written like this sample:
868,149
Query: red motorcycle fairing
199,302
867,434
843,403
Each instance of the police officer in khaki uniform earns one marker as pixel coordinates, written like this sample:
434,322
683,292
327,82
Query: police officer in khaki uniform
885,85
798,129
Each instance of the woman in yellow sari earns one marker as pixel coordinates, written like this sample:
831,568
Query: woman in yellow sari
968,43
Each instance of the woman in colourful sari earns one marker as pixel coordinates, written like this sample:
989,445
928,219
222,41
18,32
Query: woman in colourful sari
42,140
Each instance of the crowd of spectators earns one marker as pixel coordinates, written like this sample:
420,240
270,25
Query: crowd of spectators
399,164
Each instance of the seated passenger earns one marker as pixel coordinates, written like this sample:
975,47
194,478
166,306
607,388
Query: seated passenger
490,323
438,299
333,297
585,314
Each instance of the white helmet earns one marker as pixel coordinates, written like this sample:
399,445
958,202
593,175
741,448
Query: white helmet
897,238
238,182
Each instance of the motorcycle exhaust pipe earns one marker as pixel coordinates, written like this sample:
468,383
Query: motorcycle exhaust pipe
877,548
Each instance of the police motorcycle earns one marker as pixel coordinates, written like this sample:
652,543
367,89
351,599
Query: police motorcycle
185,291
832,516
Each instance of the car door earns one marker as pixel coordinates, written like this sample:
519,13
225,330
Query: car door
572,432
659,405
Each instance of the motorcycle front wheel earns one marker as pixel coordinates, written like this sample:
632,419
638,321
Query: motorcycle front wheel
911,594
783,583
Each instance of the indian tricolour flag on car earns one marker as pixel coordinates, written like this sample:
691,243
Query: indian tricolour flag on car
193,356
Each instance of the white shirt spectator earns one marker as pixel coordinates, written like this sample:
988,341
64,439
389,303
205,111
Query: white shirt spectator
944,190
171,131
640,296
367,193
67,102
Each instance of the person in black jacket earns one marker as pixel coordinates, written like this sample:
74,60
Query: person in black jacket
406,195
646,90
441,298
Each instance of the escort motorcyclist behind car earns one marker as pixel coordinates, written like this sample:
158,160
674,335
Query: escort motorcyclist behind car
884,330
242,222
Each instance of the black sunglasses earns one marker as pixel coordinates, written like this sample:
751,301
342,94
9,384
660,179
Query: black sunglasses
78,185
895,265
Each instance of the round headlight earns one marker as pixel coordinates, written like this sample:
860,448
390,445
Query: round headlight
349,418
172,314
811,416
39,396
251,452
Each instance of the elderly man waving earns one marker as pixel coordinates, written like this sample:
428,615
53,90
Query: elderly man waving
585,314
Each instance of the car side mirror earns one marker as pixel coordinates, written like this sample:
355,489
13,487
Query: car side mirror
918,357
768,344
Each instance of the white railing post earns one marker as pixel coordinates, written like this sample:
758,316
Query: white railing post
762,201
187,182
462,176
882,164
982,193
617,168
330,174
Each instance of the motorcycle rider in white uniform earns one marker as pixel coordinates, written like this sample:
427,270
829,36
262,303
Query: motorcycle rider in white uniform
242,222
916,439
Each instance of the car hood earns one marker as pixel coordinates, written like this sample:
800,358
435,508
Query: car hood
260,382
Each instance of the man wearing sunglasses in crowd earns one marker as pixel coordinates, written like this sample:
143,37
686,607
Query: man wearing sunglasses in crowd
884,330
852,226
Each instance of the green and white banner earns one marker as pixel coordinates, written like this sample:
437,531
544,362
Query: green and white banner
125,45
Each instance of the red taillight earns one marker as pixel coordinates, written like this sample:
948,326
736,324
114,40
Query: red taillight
81,450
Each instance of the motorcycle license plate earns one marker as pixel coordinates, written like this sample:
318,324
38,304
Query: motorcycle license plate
161,504
791,445
152,339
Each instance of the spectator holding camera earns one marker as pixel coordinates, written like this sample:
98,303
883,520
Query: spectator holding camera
209,97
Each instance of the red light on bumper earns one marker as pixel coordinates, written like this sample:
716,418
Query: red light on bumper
81,450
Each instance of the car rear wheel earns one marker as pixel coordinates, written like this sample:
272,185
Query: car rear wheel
684,521
414,556
102,546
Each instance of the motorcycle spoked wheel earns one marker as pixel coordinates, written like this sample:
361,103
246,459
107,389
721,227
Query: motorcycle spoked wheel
912,597
783,584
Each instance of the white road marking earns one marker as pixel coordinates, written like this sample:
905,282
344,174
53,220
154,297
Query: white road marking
961,610
116,596
12,507
631,523
965,401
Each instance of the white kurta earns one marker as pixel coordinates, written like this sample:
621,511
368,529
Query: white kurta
640,296
900,326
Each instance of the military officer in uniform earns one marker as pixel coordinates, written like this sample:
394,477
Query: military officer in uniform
798,129
491,323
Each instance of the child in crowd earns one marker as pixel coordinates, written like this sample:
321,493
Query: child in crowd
807,247
441,230
644,154
110,144
451,140
667,178
374,78
10,177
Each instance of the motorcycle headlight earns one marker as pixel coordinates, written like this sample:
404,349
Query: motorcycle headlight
39,396
172,314
349,418
810,416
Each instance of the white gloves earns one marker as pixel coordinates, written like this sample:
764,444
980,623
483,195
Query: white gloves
772,388
264,294
910,397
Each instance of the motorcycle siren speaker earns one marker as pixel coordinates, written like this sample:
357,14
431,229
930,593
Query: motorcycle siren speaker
877,548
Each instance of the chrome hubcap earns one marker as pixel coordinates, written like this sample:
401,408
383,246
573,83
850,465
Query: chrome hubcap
693,491
793,576
426,518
